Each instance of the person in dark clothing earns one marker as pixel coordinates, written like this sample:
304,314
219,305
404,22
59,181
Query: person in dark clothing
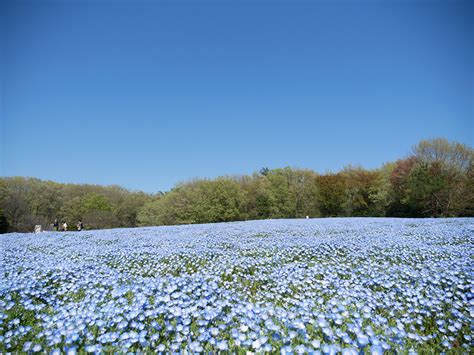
56,225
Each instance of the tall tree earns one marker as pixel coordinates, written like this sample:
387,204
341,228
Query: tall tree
359,187
332,194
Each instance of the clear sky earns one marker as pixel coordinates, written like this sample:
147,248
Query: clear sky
146,94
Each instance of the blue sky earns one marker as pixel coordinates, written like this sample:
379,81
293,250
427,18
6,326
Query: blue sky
146,94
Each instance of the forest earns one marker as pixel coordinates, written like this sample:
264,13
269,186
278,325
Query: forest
436,179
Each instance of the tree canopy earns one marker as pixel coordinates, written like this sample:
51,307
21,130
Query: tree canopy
435,180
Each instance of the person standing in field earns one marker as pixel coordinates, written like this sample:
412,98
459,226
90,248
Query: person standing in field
56,225
80,225
65,227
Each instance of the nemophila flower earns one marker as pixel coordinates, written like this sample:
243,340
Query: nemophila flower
27,346
222,345
161,347
256,344
36,348
362,339
316,344
283,288
328,332
349,351
376,350
346,339
90,348
326,349
244,328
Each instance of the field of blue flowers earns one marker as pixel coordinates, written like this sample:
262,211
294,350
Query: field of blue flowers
289,286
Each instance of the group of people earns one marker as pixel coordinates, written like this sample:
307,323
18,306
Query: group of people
63,226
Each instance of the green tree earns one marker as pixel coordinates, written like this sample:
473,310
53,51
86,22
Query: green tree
282,193
17,192
360,184
332,194
401,188
429,187
4,226
451,155
381,190
220,200
444,176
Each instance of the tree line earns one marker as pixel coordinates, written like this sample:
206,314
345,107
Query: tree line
26,202
435,180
